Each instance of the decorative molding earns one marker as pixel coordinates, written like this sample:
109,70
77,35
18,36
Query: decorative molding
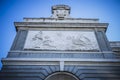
36,52
59,25
59,61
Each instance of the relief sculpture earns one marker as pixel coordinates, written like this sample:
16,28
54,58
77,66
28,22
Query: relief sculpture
61,40
40,41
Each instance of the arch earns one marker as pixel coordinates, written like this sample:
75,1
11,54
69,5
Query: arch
61,76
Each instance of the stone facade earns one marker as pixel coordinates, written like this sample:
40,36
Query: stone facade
115,45
61,48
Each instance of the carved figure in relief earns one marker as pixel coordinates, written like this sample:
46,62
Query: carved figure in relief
81,40
38,36
42,41
48,42
37,40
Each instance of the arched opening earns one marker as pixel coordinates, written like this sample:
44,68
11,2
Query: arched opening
61,76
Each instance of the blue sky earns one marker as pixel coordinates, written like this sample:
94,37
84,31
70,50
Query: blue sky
107,11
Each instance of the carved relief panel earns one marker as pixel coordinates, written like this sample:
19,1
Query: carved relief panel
61,40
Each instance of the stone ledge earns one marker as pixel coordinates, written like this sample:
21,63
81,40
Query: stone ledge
48,24
25,51
59,25
61,59
57,61
67,20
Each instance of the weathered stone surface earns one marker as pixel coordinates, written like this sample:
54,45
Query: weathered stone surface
115,45
53,54
61,40
44,72
60,11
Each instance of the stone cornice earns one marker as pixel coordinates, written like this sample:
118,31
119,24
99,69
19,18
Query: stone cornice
49,18
61,59
57,61
59,25
71,52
